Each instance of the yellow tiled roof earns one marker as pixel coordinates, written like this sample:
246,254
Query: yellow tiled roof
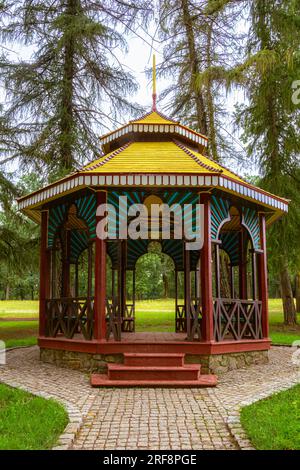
156,157
153,118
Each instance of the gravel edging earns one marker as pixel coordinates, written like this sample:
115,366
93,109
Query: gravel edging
234,423
67,438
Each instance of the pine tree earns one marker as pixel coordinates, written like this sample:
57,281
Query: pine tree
73,83
271,124
199,48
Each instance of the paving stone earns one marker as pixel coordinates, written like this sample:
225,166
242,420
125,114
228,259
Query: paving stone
151,418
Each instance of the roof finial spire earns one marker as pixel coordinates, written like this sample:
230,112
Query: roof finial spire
154,84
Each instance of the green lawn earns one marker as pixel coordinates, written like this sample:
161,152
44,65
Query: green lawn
274,423
28,422
19,308
151,315
18,333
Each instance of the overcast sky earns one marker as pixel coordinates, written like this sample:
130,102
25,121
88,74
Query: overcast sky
137,60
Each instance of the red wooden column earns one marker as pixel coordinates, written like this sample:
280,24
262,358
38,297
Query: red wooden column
44,273
66,263
206,272
187,290
263,277
100,278
242,268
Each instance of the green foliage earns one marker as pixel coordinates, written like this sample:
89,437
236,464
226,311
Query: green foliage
271,121
19,241
199,45
274,423
28,422
72,85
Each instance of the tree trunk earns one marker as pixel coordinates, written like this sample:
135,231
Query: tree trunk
288,304
7,292
213,147
195,68
67,116
166,286
224,277
297,292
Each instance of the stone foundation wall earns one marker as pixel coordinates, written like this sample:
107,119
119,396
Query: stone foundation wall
77,360
220,363
217,363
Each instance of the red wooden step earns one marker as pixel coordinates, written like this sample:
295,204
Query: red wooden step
101,380
154,359
124,372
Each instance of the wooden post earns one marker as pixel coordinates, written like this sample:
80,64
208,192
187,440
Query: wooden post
242,268
217,271
53,273
76,280
44,273
187,290
133,288
66,263
232,281
123,276
112,285
263,277
254,275
206,273
176,296
100,278
90,271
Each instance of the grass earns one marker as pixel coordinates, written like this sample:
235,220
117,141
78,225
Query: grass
151,315
28,422
274,423
18,333
19,309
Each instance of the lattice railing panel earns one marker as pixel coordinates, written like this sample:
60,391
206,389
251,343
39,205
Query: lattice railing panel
237,319
70,316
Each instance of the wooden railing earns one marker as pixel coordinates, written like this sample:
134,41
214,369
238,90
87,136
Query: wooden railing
238,319
180,319
128,319
70,316
195,319
116,322
113,320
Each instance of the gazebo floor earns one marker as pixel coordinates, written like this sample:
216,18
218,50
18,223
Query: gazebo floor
151,337
155,342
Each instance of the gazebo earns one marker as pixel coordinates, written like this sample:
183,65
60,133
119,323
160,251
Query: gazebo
82,324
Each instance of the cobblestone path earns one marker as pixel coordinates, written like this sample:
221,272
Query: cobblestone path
151,418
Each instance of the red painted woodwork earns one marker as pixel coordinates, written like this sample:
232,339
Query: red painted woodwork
70,317
101,380
263,277
206,272
148,373
242,268
66,264
154,359
241,319
44,273
100,278
187,290
127,345
124,372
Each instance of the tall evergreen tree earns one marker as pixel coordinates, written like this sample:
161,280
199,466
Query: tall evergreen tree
73,82
200,45
271,124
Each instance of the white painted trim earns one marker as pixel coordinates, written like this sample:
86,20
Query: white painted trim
152,180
